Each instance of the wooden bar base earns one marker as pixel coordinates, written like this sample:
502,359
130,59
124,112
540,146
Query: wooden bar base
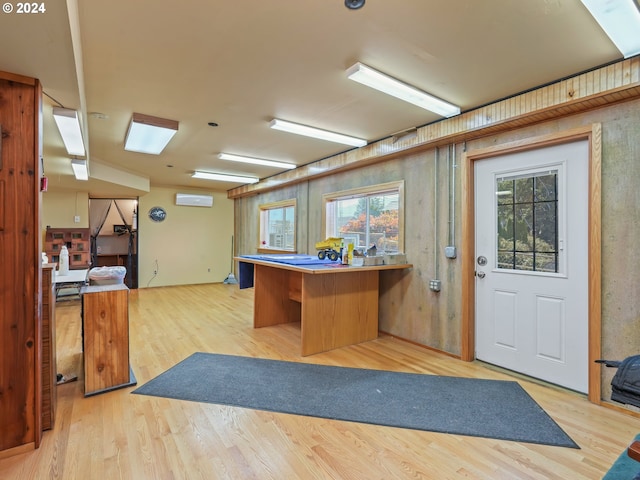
132,381
105,317
336,305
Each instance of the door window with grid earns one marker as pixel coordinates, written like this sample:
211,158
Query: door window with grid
528,222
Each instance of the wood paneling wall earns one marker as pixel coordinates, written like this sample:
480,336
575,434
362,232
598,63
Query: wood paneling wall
20,263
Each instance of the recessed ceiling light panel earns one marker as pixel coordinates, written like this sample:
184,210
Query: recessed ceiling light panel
149,134
80,170
69,128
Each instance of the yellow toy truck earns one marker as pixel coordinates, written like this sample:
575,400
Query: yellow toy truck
329,248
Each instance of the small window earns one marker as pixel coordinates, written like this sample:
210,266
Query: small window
528,222
278,226
367,216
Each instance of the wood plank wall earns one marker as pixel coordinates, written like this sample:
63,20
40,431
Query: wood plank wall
20,265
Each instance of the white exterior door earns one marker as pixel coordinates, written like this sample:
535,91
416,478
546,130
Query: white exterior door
531,249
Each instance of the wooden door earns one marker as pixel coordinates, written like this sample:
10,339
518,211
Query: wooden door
20,262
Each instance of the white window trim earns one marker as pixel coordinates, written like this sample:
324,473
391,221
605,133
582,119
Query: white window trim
363,192
274,206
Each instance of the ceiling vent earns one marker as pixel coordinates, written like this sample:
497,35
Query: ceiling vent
193,200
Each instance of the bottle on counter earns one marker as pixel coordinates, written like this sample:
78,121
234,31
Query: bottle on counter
350,254
63,265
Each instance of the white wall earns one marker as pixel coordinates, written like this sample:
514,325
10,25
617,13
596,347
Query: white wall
59,209
192,245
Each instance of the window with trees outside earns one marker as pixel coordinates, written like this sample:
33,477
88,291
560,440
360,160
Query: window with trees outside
528,222
367,216
278,226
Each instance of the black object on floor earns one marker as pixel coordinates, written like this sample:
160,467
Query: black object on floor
625,385
464,406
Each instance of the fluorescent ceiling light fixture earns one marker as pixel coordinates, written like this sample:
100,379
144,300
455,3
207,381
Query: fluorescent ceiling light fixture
620,20
374,79
316,133
149,134
69,128
255,161
224,177
80,169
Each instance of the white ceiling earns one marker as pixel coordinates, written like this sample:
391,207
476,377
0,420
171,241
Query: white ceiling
242,63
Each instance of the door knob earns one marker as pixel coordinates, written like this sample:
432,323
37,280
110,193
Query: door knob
480,274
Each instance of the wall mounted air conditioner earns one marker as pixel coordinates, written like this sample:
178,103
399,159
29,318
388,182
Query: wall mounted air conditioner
194,200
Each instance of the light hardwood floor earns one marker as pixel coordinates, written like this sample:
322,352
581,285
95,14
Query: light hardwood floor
117,435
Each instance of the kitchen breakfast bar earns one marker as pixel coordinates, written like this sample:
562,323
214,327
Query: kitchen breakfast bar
336,305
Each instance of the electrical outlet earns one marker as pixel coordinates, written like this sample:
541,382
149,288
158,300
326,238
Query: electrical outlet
76,219
155,272
434,285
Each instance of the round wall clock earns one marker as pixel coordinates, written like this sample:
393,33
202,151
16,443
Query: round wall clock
157,214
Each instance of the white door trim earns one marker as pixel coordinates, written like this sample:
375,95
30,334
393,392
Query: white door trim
591,133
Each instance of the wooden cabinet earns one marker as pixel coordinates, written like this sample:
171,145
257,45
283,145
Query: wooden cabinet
49,371
105,321
20,263
112,260
78,242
